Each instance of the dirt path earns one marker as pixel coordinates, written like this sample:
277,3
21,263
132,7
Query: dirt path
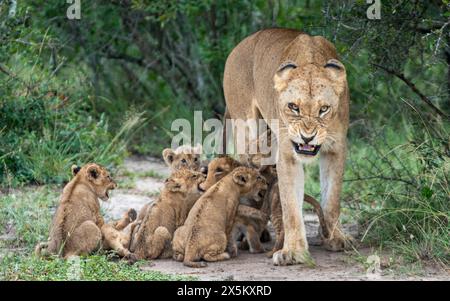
329,265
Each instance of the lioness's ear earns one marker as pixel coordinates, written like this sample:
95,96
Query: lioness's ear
335,69
282,74
75,169
336,72
240,177
92,173
172,185
168,155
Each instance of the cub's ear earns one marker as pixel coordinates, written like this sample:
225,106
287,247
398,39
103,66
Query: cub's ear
75,169
92,173
168,155
172,185
240,177
282,75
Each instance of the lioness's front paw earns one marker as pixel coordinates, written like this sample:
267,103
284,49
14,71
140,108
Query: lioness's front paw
290,257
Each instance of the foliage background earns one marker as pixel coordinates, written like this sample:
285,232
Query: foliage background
108,85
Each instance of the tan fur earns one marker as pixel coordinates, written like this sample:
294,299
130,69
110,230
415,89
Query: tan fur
268,74
184,156
248,211
206,233
78,226
180,192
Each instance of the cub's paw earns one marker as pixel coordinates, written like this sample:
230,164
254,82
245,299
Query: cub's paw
315,241
291,257
130,258
131,214
339,242
178,257
233,250
270,254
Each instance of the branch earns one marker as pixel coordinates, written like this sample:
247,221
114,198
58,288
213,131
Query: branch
413,87
125,57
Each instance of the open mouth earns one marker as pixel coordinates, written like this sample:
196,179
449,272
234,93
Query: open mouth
306,149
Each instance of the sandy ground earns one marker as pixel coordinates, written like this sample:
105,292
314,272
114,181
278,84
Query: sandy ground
329,265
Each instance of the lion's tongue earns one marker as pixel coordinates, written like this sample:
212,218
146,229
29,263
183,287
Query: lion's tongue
306,147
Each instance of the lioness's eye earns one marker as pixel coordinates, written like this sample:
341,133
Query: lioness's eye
324,109
195,159
293,107
219,169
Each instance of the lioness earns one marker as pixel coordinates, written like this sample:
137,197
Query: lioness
206,233
78,226
287,75
181,190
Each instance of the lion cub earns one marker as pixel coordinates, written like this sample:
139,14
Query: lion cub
206,234
180,192
78,226
185,156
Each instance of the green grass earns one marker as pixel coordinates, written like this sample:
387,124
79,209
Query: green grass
94,267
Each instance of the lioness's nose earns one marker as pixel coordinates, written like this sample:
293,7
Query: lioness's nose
308,139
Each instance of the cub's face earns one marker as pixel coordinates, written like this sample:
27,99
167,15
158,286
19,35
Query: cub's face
251,183
177,161
186,181
308,103
97,177
217,169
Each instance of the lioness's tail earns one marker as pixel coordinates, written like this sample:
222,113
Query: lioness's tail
318,209
159,241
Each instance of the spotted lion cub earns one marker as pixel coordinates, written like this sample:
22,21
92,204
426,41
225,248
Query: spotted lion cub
206,234
152,238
